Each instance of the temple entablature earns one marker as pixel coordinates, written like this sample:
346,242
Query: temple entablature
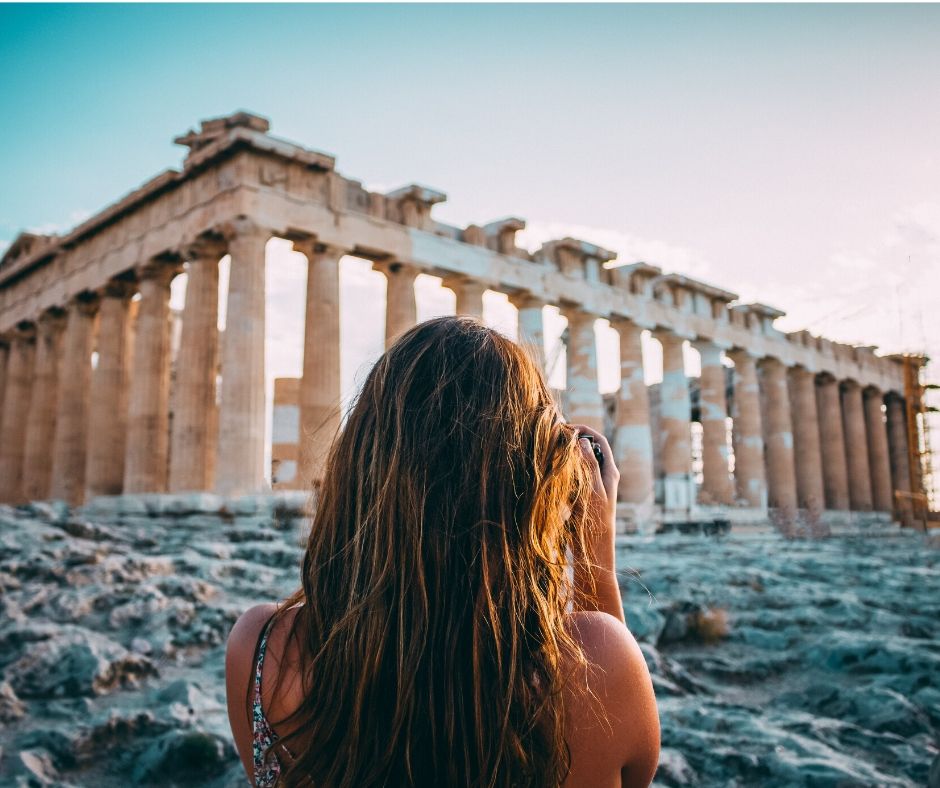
576,258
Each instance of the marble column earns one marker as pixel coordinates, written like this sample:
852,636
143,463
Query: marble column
70,448
469,294
40,425
633,439
810,487
675,434
107,417
713,405
878,459
856,447
148,405
747,436
400,309
778,436
898,453
320,413
585,404
19,392
193,440
531,324
240,458
832,442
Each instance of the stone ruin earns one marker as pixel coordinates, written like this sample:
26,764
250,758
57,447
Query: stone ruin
816,425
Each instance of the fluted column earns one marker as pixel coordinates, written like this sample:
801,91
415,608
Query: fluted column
713,405
240,458
898,453
19,383
878,460
320,386
192,444
107,416
810,488
469,294
832,443
585,404
70,448
856,447
40,425
747,436
148,409
633,439
400,309
531,324
778,436
675,414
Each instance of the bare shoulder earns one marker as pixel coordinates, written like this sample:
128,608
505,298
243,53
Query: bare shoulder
626,732
239,656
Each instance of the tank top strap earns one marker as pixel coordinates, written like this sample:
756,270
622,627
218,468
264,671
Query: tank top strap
259,663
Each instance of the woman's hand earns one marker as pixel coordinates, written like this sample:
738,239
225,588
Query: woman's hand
595,576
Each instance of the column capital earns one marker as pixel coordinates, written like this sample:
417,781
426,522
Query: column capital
824,377
710,350
312,247
24,331
616,321
523,299
849,384
870,392
396,267
51,321
208,245
162,270
120,287
457,279
576,312
85,303
667,335
242,227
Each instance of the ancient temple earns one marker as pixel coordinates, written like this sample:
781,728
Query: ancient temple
86,392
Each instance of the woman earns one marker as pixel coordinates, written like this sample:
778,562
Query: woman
437,638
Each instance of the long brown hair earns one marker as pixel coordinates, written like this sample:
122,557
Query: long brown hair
431,620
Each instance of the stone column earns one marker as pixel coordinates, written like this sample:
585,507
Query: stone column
832,442
70,449
19,391
810,488
716,482
469,294
633,439
4,356
148,407
778,436
40,425
531,324
107,417
240,458
675,435
856,447
400,308
747,436
320,413
878,458
585,404
193,442
898,453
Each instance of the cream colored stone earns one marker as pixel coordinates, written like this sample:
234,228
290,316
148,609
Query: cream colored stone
148,409
898,453
675,435
778,436
810,487
856,447
19,390
240,458
531,324
713,406
400,307
469,294
832,443
40,425
70,449
195,420
320,412
585,404
747,437
878,458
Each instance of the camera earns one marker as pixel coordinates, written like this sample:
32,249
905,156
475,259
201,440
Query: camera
595,447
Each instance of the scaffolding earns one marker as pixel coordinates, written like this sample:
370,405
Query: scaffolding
922,496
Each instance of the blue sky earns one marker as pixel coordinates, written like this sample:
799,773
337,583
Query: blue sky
789,153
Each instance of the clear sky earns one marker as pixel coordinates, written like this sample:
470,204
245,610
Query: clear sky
788,153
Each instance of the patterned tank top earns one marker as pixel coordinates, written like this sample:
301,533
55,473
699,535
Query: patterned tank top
263,735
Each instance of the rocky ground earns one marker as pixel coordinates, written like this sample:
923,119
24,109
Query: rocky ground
776,662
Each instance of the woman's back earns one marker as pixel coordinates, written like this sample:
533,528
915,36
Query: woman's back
612,743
